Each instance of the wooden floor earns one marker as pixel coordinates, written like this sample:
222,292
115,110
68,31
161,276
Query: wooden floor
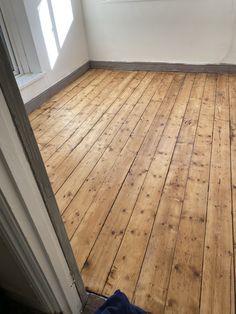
143,166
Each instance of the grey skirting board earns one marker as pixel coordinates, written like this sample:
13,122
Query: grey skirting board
126,66
44,96
169,67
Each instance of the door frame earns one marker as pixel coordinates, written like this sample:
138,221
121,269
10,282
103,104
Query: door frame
26,136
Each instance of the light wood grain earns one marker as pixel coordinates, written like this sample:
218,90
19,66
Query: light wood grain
232,98
107,244
143,166
160,201
218,264
54,104
57,100
185,281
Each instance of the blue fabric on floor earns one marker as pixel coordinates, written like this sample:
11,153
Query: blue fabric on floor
118,303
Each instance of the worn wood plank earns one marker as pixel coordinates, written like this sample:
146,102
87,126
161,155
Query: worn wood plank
71,108
136,177
123,123
216,294
86,107
84,237
117,122
55,103
72,119
83,199
67,156
232,98
185,282
78,128
115,225
164,207
57,100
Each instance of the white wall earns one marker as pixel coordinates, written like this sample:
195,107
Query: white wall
71,55
182,31
174,31
27,228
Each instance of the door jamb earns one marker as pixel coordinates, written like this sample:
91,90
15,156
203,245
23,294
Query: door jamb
20,119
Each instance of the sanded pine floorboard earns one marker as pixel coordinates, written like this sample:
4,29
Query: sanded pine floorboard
78,128
106,129
232,98
126,267
73,118
217,294
144,174
152,286
56,101
185,281
49,124
73,150
118,218
84,237
89,104
83,199
65,114
56,106
117,134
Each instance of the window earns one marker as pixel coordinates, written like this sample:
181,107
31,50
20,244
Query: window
17,38
8,45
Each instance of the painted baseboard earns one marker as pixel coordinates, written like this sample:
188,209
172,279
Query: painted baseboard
44,96
169,67
126,66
